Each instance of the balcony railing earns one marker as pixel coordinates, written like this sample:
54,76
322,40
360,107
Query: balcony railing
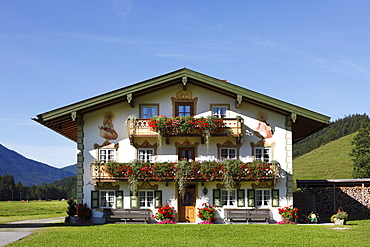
196,171
140,128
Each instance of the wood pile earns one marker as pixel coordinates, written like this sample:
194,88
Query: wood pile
353,200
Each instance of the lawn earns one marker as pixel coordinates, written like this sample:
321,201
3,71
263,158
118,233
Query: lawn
16,211
354,234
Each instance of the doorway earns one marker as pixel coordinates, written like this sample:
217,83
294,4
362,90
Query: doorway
186,208
187,153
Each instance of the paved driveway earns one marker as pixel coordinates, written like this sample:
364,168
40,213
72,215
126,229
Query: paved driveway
14,231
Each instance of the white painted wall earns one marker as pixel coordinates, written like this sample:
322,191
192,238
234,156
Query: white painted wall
127,153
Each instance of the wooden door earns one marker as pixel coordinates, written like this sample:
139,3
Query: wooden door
187,210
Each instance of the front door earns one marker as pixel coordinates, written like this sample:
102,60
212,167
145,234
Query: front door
187,211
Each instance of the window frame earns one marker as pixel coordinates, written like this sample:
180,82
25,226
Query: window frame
107,150
228,153
229,201
147,203
141,106
263,154
107,196
265,203
146,154
219,115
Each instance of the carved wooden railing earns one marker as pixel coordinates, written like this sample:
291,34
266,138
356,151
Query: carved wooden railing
140,128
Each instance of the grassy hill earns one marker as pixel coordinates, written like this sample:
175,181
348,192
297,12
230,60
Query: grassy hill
331,161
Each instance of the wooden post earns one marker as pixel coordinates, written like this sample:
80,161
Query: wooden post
335,200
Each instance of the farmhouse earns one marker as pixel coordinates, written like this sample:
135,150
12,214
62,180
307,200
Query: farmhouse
184,138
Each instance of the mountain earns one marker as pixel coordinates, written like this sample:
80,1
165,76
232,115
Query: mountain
330,161
27,171
71,168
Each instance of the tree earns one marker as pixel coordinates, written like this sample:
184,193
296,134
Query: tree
361,152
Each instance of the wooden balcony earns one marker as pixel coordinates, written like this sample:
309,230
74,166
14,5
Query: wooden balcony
140,128
166,171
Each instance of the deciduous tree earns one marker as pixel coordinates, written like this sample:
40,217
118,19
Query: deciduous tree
361,152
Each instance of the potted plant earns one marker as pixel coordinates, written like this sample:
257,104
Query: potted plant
207,214
339,218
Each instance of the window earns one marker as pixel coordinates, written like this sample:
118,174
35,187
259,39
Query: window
184,109
148,111
262,154
146,198
107,198
263,198
187,153
228,198
219,111
227,153
106,155
146,155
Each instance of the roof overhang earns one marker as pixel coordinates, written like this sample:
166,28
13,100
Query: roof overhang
64,120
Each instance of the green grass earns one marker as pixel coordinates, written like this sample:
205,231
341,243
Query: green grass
331,161
355,234
16,211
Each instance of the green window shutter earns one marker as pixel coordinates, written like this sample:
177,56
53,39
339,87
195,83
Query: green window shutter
241,197
134,201
217,198
95,199
157,198
275,198
119,199
251,197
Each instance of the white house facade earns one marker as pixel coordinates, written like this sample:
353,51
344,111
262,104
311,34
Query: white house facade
127,159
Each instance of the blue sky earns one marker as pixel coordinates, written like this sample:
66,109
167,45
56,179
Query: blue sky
314,54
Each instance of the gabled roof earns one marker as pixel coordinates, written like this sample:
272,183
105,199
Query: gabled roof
64,120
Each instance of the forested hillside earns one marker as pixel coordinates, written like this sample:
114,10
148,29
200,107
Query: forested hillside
337,129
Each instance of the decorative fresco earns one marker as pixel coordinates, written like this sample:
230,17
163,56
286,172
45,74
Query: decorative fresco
263,129
107,130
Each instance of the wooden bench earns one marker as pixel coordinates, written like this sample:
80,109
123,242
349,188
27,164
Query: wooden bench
126,214
243,214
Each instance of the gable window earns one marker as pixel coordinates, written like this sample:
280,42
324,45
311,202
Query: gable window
146,155
219,111
262,154
184,109
227,153
146,198
148,111
106,155
228,198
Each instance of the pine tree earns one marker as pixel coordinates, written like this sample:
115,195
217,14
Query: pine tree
361,152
